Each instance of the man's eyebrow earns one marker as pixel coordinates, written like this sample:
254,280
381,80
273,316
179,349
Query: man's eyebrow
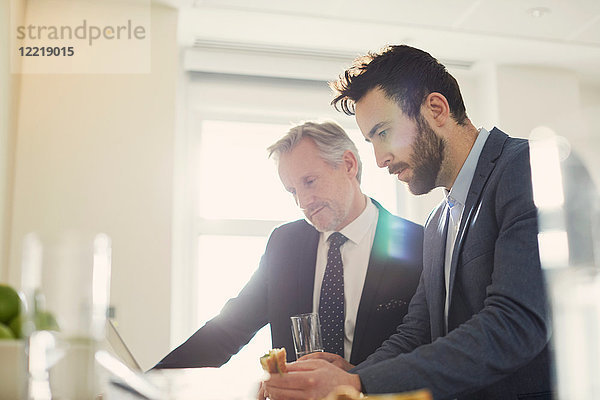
374,129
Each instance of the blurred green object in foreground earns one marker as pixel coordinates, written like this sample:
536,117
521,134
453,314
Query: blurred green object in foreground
9,303
5,332
43,321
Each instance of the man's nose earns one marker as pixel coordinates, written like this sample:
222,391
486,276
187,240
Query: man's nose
383,158
303,199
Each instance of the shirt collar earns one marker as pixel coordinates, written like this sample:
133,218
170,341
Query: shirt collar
460,189
356,230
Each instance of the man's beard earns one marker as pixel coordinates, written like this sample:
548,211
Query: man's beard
426,158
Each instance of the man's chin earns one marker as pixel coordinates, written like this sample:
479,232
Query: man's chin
419,188
319,226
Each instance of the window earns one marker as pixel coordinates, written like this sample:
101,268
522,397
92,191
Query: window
239,181
241,200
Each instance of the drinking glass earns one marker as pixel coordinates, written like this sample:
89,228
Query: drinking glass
65,282
306,331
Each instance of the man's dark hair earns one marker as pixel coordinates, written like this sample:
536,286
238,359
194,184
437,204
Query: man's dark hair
406,75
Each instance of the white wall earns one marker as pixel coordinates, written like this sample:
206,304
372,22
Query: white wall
95,153
5,106
530,97
8,111
588,143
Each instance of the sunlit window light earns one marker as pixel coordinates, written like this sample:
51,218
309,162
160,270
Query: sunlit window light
545,169
223,273
237,180
554,249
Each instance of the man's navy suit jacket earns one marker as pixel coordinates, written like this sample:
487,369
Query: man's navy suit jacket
498,318
283,286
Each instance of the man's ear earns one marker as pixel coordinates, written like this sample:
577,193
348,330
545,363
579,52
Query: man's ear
350,163
435,109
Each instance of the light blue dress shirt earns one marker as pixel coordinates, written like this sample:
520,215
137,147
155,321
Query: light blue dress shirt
455,205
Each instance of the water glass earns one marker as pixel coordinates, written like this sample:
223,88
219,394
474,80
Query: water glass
306,331
65,282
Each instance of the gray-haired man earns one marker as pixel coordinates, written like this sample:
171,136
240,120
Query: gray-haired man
381,256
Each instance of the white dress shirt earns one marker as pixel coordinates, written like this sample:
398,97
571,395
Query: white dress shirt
455,204
355,258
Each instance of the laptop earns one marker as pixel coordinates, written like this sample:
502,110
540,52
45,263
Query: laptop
126,373
116,345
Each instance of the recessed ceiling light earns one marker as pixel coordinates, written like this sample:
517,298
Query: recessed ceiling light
538,12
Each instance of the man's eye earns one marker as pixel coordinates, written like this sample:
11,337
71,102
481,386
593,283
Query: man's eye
310,181
382,134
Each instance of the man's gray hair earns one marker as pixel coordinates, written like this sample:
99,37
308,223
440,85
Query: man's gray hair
330,138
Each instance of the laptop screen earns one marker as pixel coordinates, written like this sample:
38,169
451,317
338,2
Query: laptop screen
118,348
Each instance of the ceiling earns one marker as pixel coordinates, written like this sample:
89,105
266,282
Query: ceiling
561,34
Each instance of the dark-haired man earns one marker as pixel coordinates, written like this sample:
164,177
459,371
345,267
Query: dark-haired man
478,325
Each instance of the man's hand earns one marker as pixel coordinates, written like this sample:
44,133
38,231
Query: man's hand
308,379
262,394
335,359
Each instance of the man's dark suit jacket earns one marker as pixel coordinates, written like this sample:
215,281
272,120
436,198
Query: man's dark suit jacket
283,286
498,320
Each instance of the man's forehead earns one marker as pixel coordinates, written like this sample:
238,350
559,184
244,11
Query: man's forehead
289,165
363,121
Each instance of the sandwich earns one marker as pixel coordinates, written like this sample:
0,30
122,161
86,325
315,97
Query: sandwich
349,393
274,361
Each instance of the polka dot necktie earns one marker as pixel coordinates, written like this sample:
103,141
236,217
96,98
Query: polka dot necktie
331,303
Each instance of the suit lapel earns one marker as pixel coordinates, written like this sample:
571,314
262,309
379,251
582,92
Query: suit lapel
437,298
378,263
487,161
305,269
